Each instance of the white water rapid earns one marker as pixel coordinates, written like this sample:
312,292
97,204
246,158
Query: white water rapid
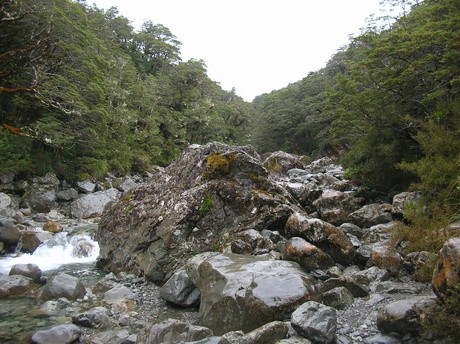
62,249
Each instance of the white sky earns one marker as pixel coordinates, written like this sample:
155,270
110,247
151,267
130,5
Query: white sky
256,46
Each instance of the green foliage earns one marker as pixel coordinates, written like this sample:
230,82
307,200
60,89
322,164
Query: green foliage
206,204
443,320
90,95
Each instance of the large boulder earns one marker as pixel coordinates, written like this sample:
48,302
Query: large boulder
93,204
240,292
335,206
60,334
9,231
62,285
404,316
210,192
41,194
315,322
28,270
14,285
176,331
323,235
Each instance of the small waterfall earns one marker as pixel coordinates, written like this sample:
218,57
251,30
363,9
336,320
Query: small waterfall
60,250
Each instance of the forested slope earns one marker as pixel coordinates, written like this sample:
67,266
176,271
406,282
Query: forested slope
82,93
387,104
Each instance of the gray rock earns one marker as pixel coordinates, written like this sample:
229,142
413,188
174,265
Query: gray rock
62,285
93,204
371,215
86,186
67,194
28,270
125,184
350,228
323,235
294,340
241,292
14,285
404,316
5,201
269,333
41,194
173,331
335,206
60,334
180,290
386,257
281,162
383,339
97,317
315,322
220,189
9,232
120,298
306,255
32,239
338,298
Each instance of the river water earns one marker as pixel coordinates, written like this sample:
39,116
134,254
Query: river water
74,254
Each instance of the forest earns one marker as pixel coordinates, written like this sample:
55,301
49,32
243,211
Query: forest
82,94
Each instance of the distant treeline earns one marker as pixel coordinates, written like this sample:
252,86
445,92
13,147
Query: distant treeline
82,93
387,105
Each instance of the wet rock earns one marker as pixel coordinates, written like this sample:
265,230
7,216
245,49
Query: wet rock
176,331
371,215
9,232
383,339
306,255
386,257
180,290
269,333
32,239
447,268
335,206
60,334
28,270
352,229
93,204
322,234
244,292
97,317
255,240
315,322
14,285
209,192
378,234
62,285
338,298
294,340
52,227
404,316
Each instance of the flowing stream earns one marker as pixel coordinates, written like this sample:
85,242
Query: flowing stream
75,254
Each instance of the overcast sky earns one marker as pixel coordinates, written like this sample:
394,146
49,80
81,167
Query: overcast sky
256,46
